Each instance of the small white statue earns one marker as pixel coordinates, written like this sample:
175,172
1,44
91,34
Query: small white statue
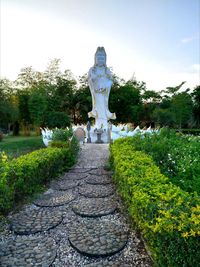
46,135
100,82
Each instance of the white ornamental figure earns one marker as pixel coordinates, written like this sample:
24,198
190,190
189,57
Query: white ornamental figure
100,82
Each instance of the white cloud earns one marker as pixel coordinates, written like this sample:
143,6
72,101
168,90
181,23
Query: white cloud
189,39
196,67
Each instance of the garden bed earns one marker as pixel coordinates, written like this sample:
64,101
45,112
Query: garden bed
167,216
176,155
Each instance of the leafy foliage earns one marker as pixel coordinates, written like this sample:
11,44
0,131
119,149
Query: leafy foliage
62,134
56,99
37,105
196,106
177,156
1,135
57,119
125,101
167,216
25,175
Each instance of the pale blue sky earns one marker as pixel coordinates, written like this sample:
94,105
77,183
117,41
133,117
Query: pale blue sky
158,40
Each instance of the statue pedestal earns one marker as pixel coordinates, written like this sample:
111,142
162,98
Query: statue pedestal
99,133
98,136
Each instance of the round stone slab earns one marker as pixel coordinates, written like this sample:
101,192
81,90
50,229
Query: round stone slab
100,172
96,190
54,199
97,238
36,220
64,184
95,207
28,251
96,179
75,176
79,170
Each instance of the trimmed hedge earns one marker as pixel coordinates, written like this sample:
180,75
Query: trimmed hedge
168,217
25,175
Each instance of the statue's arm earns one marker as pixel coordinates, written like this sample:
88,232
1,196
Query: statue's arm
109,74
91,75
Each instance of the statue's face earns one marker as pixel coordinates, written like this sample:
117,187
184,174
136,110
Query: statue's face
100,59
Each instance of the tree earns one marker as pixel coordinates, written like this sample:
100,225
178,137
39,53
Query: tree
174,90
150,99
57,119
37,106
163,117
125,101
8,104
82,102
196,105
181,108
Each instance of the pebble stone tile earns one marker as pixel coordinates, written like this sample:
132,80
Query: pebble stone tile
96,190
65,184
75,176
25,251
95,179
95,207
100,172
36,220
79,170
94,238
54,199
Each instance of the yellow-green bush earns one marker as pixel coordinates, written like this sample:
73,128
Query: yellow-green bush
168,217
25,175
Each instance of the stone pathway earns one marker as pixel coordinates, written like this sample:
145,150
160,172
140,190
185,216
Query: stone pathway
79,221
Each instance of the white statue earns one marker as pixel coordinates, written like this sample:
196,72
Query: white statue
46,135
100,82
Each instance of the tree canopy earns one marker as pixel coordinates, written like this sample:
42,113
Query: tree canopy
56,99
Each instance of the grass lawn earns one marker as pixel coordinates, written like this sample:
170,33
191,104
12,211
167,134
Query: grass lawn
20,145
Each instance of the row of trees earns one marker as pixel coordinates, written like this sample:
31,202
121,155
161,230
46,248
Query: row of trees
55,99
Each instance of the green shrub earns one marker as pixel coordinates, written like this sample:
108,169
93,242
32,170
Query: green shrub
72,144
1,136
168,217
177,156
62,134
59,144
25,175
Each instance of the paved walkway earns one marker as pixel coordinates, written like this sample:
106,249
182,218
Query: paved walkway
79,221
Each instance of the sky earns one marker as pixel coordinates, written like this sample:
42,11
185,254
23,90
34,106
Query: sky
156,41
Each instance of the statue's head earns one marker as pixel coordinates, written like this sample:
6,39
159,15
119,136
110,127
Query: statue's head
100,57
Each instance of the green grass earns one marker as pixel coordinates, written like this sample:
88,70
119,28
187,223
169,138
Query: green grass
20,145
